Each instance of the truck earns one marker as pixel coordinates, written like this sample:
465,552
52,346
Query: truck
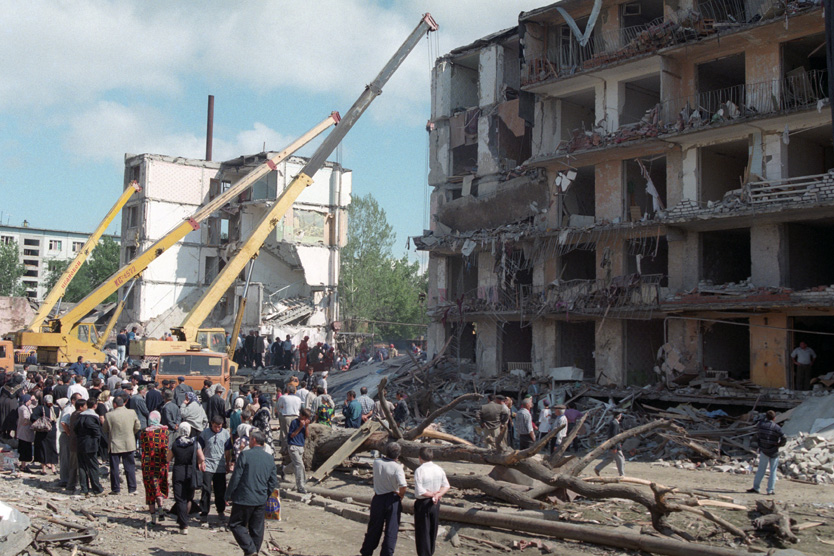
197,366
6,355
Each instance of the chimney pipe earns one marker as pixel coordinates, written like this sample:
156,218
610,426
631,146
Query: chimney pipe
209,126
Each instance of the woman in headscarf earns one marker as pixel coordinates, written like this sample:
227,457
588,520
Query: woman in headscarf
187,457
193,414
153,442
262,419
242,440
25,434
234,417
46,442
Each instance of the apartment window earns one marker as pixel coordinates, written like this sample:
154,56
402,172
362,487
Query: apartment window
130,253
31,252
6,240
31,273
30,262
132,216
30,285
55,244
76,246
32,242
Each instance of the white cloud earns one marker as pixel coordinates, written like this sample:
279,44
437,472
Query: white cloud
110,129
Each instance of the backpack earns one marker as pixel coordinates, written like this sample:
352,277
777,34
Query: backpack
324,414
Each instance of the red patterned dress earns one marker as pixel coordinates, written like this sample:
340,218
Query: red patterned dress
154,443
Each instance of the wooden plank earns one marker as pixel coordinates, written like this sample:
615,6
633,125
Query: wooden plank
345,450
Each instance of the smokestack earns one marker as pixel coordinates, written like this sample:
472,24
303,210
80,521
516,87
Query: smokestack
209,126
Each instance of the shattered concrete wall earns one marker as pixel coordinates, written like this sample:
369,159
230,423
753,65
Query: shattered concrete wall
15,314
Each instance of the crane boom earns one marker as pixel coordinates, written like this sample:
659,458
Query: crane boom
224,280
60,287
141,261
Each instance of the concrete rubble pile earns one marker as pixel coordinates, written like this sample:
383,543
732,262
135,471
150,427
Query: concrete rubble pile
808,457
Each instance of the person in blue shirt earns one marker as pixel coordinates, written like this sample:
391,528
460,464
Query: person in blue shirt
77,368
32,358
352,411
296,436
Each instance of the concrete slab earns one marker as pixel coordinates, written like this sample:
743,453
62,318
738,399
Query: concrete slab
806,413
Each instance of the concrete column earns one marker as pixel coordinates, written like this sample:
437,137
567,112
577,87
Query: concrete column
547,128
690,174
769,360
544,345
775,157
674,177
608,187
609,352
490,74
441,90
437,279
487,279
439,153
488,162
487,353
769,255
684,257
435,337
685,337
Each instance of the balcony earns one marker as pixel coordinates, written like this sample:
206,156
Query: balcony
632,292
800,90
711,18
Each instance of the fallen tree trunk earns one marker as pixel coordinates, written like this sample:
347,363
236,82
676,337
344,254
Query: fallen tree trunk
593,535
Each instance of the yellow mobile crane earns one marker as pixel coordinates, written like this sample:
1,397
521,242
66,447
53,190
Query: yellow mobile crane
63,339
60,288
176,362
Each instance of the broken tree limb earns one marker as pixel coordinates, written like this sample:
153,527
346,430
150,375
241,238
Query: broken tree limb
576,466
414,433
497,489
556,456
706,514
431,433
392,424
593,535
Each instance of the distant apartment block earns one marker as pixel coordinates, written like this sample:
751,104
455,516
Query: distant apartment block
38,248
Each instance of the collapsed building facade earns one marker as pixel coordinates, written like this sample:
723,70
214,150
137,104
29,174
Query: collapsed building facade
293,287
638,190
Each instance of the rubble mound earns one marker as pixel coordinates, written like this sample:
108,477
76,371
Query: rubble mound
808,457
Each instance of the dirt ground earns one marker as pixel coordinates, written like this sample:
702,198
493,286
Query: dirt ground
308,530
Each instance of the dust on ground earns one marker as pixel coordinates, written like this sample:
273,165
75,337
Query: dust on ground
123,525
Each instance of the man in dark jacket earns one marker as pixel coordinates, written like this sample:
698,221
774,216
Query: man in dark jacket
217,405
137,404
88,436
153,398
170,414
770,438
181,390
253,480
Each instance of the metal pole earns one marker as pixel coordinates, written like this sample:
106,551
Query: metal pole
209,126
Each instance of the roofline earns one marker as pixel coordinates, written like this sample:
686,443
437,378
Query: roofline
26,229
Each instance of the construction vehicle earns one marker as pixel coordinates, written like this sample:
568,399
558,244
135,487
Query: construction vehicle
64,338
196,366
189,330
6,355
56,294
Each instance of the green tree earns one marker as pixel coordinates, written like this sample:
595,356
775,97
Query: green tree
102,263
374,285
11,270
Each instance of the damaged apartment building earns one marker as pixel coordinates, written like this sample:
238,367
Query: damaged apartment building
293,287
639,190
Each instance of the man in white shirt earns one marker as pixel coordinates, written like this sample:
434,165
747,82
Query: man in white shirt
559,420
430,484
545,423
77,387
524,425
289,406
386,505
803,357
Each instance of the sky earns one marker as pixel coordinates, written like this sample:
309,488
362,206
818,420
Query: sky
83,82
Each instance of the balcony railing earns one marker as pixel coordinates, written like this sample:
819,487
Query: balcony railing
572,296
799,89
711,17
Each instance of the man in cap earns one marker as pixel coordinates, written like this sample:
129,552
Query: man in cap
181,390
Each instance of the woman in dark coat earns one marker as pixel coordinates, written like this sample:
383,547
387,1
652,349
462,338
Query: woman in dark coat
187,457
46,442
